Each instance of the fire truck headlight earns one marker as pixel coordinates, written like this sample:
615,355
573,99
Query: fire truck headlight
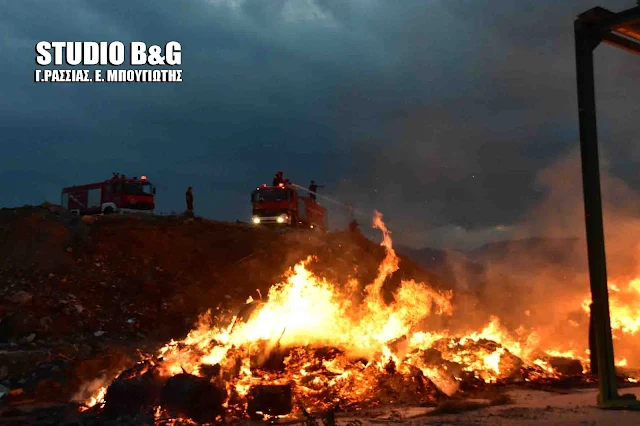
281,219
256,220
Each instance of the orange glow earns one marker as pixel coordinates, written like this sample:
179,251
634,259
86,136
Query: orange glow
340,341
96,399
624,306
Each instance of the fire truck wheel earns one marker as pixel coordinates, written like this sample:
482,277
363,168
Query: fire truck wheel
109,210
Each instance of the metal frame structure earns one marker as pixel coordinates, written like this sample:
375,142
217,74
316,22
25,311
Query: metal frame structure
622,30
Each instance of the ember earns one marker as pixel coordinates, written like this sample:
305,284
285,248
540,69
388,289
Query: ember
313,346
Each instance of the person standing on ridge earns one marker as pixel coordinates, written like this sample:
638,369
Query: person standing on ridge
313,188
189,197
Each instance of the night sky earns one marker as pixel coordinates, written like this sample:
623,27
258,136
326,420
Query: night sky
440,114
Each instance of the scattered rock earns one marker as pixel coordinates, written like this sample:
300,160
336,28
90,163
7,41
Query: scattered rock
3,391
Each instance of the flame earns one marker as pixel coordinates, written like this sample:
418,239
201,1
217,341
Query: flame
307,310
96,399
624,307
346,342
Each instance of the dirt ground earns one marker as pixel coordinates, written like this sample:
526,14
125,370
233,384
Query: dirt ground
539,407
527,407
578,408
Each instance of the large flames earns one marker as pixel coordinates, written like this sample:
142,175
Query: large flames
624,305
340,345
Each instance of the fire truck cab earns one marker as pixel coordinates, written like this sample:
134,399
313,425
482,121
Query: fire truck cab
116,195
282,206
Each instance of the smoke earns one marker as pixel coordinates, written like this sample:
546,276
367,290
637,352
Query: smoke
538,281
90,388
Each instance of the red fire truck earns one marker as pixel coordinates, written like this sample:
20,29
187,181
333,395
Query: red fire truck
282,206
116,195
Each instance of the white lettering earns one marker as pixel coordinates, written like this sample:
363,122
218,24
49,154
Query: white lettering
116,53
155,55
58,50
174,53
74,53
138,53
43,57
91,53
80,53
137,76
104,54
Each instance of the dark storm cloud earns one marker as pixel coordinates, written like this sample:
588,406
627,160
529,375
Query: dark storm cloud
438,113
473,158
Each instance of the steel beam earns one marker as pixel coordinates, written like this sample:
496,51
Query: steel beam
616,20
585,43
588,35
622,42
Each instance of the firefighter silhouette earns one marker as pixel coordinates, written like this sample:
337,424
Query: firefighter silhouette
313,189
189,197
278,179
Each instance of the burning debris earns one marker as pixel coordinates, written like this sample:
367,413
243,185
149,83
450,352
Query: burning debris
312,346
133,390
197,398
270,400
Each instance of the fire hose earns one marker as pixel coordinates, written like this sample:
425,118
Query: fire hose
351,209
